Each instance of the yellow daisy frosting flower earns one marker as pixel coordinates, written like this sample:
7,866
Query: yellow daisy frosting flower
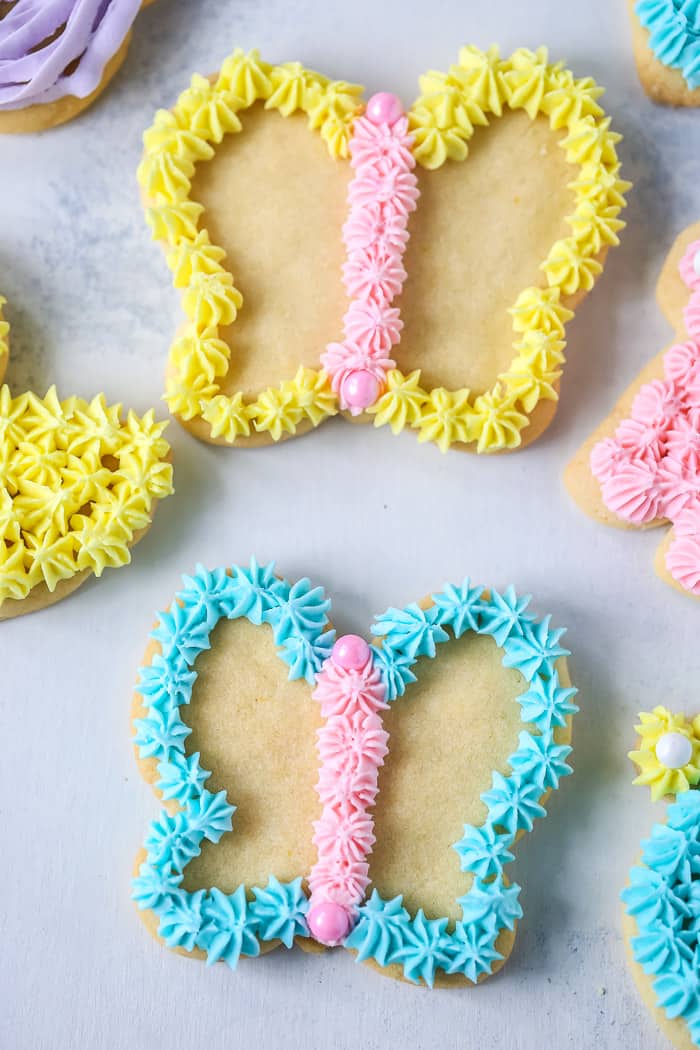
668,758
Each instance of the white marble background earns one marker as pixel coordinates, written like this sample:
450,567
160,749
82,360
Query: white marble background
379,520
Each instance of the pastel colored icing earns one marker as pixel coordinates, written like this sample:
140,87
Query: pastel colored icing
351,745
650,469
59,47
668,757
359,372
674,34
77,484
385,188
354,682
663,900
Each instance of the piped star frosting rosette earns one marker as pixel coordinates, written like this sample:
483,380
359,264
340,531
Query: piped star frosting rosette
662,898
79,484
57,55
646,457
338,901
360,371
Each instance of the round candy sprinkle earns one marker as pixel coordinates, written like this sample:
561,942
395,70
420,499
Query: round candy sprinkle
674,750
350,652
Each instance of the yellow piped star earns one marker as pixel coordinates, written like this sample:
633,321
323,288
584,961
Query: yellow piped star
661,779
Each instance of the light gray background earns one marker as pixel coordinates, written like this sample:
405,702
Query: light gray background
378,520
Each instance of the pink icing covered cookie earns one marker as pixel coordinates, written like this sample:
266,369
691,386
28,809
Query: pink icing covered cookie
641,467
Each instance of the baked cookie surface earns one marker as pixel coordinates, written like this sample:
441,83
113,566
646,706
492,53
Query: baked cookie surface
378,287
459,712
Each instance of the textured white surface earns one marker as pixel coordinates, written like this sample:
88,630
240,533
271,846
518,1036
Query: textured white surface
379,520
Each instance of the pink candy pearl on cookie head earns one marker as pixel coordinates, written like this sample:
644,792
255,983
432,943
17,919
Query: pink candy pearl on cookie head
384,108
329,923
350,652
359,390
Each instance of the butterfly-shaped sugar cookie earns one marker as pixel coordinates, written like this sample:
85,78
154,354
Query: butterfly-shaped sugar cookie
465,231
641,467
79,484
369,797
662,899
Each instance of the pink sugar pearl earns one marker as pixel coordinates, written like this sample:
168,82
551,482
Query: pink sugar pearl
329,923
350,652
384,108
359,390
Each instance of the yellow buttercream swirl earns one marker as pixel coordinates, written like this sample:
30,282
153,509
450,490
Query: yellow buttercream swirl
78,482
661,779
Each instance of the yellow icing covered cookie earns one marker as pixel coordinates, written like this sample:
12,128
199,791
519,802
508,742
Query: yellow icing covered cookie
399,267
79,483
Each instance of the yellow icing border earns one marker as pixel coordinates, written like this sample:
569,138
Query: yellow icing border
442,120
77,485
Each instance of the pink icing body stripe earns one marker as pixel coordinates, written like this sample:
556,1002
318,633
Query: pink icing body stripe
382,193
651,468
351,745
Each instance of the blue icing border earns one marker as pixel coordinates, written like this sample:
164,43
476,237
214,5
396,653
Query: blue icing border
663,898
227,927
674,27
385,930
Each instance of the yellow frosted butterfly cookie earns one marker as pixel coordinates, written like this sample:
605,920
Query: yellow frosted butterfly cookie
415,269
79,484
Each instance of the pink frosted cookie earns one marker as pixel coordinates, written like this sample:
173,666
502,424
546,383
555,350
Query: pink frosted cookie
641,467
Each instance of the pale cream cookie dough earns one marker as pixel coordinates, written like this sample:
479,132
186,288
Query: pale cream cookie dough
315,803
57,57
640,467
664,81
426,285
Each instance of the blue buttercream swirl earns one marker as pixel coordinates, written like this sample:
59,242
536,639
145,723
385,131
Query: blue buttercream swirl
674,28
663,898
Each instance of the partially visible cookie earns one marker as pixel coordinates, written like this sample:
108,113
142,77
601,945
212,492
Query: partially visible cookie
437,748
661,920
58,56
641,467
666,43
79,485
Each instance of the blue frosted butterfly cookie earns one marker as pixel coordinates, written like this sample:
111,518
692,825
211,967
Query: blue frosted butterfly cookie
332,791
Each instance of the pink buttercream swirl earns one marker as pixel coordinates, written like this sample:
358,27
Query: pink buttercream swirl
352,745
382,194
650,469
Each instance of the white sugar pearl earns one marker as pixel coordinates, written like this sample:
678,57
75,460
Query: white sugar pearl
696,263
674,750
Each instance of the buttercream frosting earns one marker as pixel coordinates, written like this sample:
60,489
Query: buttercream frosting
59,47
650,469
